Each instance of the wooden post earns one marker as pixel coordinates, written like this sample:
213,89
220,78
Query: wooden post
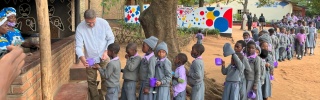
45,49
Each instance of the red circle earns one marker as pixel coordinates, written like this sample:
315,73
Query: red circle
209,22
181,11
130,11
201,13
128,17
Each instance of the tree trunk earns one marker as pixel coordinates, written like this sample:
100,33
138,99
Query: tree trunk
201,2
160,20
245,6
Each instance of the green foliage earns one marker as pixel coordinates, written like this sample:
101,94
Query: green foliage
130,26
187,2
312,6
237,16
213,31
185,31
108,4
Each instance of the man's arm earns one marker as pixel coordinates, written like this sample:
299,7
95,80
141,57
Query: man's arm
79,47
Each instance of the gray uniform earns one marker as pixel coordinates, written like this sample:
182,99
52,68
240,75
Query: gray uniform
253,77
266,87
231,89
195,79
311,37
243,82
283,45
146,70
130,76
111,75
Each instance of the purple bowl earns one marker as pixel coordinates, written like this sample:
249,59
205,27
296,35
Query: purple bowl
251,95
271,77
218,61
275,64
90,61
152,82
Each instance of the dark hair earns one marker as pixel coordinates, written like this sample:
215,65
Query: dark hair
245,33
271,31
199,48
282,28
261,43
292,29
302,30
264,54
310,23
114,47
182,57
275,29
132,45
243,44
199,31
251,43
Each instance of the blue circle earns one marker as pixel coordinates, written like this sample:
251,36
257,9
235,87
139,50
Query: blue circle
216,13
210,8
194,23
126,19
221,24
132,15
137,12
138,8
198,23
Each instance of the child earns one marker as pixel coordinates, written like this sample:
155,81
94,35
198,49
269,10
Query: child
111,74
199,37
246,37
306,32
3,30
262,73
233,71
288,47
283,44
255,34
238,48
312,38
130,73
179,77
163,73
196,73
301,37
266,87
275,44
254,75
147,68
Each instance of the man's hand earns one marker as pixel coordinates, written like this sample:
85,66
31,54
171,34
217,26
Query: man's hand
105,55
84,61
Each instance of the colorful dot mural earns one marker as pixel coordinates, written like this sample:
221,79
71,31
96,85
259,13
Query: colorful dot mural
206,17
132,13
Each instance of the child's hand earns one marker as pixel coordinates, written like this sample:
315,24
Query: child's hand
223,63
158,83
126,56
145,90
271,72
267,65
254,88
96,66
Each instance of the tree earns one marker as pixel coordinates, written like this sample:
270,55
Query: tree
162,23
201,2
313,6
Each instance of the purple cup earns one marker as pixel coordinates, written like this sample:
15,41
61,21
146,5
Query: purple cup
287,49
251,95
271,77
218,61
275,64
152,82
90,61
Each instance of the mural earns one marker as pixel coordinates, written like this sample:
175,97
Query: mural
205,17
132,13
274,5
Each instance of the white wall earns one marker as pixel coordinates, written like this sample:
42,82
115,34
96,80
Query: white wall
275,12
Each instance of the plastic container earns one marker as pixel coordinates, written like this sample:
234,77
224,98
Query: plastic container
271,77
152,82
275,64
251,95
90,61
218,61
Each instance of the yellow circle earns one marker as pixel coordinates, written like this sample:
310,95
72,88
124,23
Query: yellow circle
210,15
183,18
133,10
197,19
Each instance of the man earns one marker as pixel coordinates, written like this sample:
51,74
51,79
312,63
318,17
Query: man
94,34
249,17
245,20
262,21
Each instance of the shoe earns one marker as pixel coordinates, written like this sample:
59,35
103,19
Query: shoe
283,60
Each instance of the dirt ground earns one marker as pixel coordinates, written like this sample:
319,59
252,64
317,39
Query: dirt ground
294,80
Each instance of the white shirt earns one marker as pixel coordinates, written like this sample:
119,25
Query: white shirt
244,16
95,40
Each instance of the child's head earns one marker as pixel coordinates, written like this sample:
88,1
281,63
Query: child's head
264,45
197,50
113,50
246,35
263,32
302,30
275,29
299,22
131,49
149,44
199,31
292,30
264,54
251,48
180,59
282,30
310,24
258,50
162,50
11,15
271,31
303,23
238,47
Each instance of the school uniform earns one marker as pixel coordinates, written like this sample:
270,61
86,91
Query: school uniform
231,88
297,30
255,34
253,77
243,82
146,69
130,76
199,37
301,46
275,46
266,87
283,45
111,75
262,78
179,83
195,79
291,45
311,39
288,47
163,73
